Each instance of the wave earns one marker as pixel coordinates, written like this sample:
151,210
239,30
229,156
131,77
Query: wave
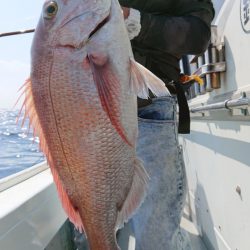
18,147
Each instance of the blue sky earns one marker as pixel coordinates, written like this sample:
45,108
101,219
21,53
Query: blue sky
15,50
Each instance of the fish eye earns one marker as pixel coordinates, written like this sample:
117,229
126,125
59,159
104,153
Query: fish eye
50,10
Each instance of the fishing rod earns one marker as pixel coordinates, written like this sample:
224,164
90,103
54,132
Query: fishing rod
21,32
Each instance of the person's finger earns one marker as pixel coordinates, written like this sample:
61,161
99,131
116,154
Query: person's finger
126,12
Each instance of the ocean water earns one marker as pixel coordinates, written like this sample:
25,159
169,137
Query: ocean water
18,148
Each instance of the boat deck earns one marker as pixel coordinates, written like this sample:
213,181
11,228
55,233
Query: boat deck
196,241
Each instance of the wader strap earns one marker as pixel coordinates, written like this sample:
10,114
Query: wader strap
184,114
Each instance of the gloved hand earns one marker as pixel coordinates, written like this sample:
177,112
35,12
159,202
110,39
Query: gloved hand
132,21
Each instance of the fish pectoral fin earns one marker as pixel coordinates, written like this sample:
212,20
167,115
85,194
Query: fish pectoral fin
135,195
142,80
108,87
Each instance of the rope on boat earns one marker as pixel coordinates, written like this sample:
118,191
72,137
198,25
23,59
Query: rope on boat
20,32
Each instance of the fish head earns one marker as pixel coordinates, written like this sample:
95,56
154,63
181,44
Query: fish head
67,25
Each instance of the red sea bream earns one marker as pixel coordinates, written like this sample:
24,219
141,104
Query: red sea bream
81,100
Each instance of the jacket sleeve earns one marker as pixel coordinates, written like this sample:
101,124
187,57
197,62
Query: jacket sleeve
170,7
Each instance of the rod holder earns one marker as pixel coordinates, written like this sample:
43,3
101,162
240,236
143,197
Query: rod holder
210,66
202,86
215,76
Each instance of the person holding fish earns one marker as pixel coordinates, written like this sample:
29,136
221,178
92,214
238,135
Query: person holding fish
161,32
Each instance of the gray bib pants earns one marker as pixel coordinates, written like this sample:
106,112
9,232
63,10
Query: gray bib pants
156,224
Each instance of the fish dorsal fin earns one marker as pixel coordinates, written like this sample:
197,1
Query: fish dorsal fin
108,88
30,112
142,80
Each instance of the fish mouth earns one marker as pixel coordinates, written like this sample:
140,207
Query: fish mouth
80,45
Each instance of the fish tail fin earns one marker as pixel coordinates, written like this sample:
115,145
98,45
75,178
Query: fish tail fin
30,112
135,196
142,80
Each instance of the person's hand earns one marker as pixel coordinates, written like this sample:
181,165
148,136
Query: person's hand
126,12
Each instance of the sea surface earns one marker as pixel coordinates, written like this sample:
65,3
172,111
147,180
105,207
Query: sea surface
18,148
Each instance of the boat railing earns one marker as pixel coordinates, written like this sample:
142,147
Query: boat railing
242,103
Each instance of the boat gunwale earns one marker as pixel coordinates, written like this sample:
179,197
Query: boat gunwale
14,179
